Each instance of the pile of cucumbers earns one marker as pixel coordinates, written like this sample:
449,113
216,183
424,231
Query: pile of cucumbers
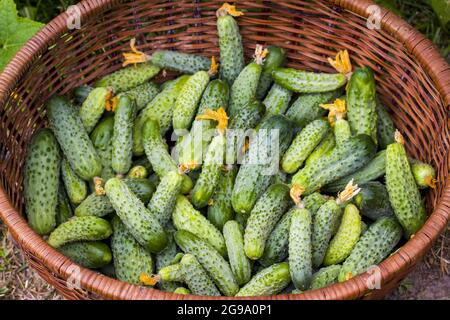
127,181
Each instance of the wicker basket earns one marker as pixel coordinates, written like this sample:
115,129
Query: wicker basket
413,80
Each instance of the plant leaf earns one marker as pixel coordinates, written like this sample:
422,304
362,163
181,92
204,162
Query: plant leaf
442,9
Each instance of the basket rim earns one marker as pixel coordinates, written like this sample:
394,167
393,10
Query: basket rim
422,48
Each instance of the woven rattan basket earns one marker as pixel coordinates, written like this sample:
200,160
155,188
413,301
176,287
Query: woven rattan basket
413,80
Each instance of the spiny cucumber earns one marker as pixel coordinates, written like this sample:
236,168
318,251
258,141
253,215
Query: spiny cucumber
93,107
101,139
196,278
75,186
172,273
324,148
64,209
385,127
166,257
88,254
143,94
373,201
424,174
180,61
341,131
325,277
277,100
275,58
137,172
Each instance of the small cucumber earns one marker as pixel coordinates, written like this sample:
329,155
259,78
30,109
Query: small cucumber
268,281
185,217
373,246
80,229
129,77
210,259
93,107
64,210
81,93
187,101
362,103
182,290
325,277
424,174
308,82
373,201
75,186
303,144
180,61
385,127
101,139
196,278
172,273
73,139
166,257
277,100
300,248
275,58
346,237
143,94
307,107
143,162
263,218
403,192
248,116
341,131
130,259
122,140
137,172
41,181
240,264
142,224
91,255
324,148
313,202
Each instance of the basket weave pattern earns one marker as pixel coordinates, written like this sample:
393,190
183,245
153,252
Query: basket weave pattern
412,80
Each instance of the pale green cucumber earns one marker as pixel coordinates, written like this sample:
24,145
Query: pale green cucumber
75,186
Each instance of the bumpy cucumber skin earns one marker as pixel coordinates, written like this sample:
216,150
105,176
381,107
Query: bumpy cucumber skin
373,246
307,107
210,174
403,192
80,229
122,140
221,210
373,170
248,116
303,144
244,87
93,107
165,258
64,209
231,49
341,131
127,78
215,96
277,100
346,237
353,154
158,155
73,139
163,200
91,255
324,148
101,139
160,109
385,127
275,58
373,200
313,202
41,181
185,217
137,172
210,259
269,281
422,172
307,82
180,61
75,186
142,224
143,94
325,220
81,93
325,277
196,277
240,264
362,104
300,248
143,162
130,259
264,216
187,102
172,273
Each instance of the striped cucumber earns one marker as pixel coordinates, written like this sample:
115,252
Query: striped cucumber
424,174
88,254
64,209
373,201
73,139
275,58
143,94
325,277
196,278
324,148
220,209
180,61
277,100
75,186
41,181
385,127
93,107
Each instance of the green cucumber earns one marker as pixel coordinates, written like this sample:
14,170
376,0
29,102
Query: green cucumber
73,139
240,264
248,116
182,290
141,223
41,181
341,131
180,61
324,148
137,172
325,277
313,202
91,255
101,139
143,162
75,186
300,248
80,229
172,273
373,200
385,127
143,94
185,217
373,246
303,144
93,107
268,281
308,82
277,100
210,259
424,174
275,58
345,238
362,103
130,259
165,258
129,77
263,218
81,93
196,277
64,210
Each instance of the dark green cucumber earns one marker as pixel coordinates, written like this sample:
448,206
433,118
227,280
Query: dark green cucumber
424,174
373,200
73,139
324,148
91,255
180,61
166,257
373,246
362,103
325,277
143,94
275,58
307,82
41,181
142,224
93,107
196,278
81,93
385,127
277,100
101,139
80,229
64,209
75,186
